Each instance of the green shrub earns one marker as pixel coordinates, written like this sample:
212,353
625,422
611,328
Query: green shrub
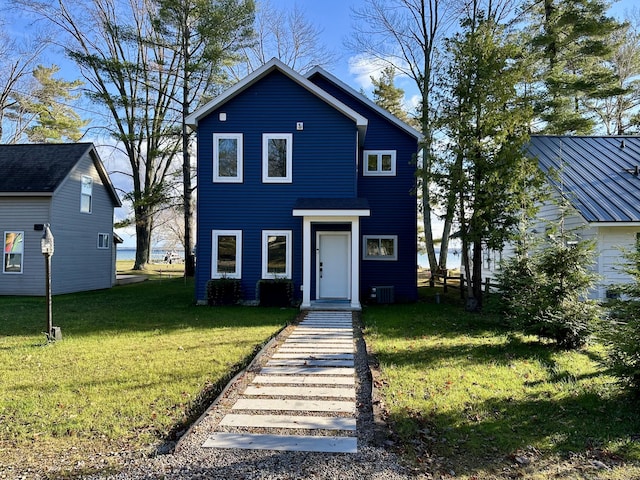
224,291
275,293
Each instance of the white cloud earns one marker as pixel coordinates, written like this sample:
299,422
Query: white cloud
363,68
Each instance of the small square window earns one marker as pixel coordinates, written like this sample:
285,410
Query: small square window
103,240
276,254
226,254
13,252
277,154
380,247
380,162
227,157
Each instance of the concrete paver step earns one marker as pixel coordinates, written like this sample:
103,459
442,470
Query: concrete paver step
303,380
256,390
282,405
314,355
289,421
302,370
296,443
311,363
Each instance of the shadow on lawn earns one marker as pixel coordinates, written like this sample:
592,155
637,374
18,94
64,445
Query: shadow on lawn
161,306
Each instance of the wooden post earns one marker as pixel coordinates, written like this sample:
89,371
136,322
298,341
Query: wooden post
462,286
445,284
487,285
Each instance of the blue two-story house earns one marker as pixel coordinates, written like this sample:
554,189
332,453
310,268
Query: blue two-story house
303,178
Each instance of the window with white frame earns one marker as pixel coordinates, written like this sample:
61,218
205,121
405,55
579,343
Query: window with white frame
380,247
379,162
226,254
13,252
277,155
103,240
227,157
276,254
86,194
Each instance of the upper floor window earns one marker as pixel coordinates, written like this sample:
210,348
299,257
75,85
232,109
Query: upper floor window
380,247
86,194
379,162
276,254
227,157
103,240
227,254
277,154
13,252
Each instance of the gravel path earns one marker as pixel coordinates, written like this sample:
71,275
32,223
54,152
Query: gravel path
190,461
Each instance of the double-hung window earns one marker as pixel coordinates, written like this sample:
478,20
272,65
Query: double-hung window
103,240
379,162
13,252
227,254
277,157
86,194
227,158
276,254
380,247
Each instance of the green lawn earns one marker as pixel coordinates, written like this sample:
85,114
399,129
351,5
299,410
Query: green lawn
137,364
465,394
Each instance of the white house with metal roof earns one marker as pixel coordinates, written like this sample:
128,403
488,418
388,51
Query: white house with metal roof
599,177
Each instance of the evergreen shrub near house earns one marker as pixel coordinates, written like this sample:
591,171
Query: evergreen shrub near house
275,293
622,333
224,291
545,292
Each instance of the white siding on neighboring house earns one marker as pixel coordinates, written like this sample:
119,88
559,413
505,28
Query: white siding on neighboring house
77,259
21,214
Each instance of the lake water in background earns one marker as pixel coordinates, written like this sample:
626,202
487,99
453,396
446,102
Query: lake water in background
454,259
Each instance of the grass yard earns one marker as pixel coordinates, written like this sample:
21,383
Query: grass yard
466,396
137,363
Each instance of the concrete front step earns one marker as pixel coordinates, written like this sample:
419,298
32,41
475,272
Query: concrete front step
289,421
256,390
291,443
283,405
303,380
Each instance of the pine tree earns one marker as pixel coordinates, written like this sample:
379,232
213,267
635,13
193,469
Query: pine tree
387,95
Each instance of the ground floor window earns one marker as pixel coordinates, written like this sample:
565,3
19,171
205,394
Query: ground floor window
380,247
276,254
13,252
103,240
227,254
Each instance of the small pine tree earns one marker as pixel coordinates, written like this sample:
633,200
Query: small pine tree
387,95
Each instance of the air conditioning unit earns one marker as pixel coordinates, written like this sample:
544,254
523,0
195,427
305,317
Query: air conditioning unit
384,294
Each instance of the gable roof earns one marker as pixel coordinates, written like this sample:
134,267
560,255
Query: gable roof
269,67
39,169
598,175
368,102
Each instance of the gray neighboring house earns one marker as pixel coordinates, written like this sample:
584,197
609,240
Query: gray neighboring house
66,186
599,176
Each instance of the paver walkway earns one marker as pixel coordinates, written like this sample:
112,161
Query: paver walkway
306,389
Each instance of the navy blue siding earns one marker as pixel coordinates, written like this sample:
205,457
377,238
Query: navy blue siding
323,166
392,200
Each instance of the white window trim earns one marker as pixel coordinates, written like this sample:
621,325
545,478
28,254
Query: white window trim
90,194
378,172
105,244
4,264
239,178
214,253
383,258
265,253
265,157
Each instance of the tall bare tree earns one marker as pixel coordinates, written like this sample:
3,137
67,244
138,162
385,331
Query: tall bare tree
110,42
287,35
405,34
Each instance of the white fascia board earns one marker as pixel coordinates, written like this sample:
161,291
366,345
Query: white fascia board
275,64
371,104
331,213
614,224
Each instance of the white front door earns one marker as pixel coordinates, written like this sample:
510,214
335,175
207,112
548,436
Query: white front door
334,265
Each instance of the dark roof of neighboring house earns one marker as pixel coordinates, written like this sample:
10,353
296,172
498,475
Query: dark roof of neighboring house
597,174
41,168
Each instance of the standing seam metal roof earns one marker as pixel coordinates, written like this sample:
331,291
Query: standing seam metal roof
595,173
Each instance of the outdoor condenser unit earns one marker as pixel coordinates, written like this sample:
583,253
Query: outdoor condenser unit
383,294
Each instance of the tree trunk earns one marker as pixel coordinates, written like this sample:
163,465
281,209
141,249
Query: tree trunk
189,257
143,241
